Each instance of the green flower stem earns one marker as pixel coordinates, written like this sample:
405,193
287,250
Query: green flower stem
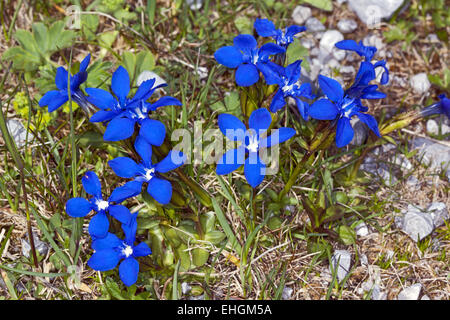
295,174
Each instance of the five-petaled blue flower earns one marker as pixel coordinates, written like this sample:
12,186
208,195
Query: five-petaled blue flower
266,28
123,113
251,142
80,207
367,52
287,80
56,98
145,172
110,250
246,57
339,106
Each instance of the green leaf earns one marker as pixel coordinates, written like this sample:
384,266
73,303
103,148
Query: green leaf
326,5
199,256
244,25
347,235
297,52
215,237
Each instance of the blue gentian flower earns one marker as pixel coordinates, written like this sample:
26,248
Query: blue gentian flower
123,113
368,53
266,28
146,172
339,106
110,250
246,57
56,98
251,142
80,207
287,80
361,87
441,107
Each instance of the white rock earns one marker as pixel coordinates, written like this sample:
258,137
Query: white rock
314,25
329,39
301,14
410,293
403,162
147,75
287,293
17,132
412,182
374,40
194,4
387,177
438,212
377,294
344,258
417,224
185,288
307,43
347,25
347,70
360,132
420,83
371,12
364,260
434,154
425,297
432,127
362,230
339,54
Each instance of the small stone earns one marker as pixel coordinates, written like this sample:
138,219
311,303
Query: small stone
417,225
339,54
314,25
360,132
17,132
399,81
420,83
431,153
194,4
432,127
350,70
374,41
287,293
439,213
185,288
200,297
410,293
344,258
362,230
364,260
314,52
403,162
433,38
371,12
412,182
347,25
147,75
40,246
307,43
387,177
329,39
301,14
425,297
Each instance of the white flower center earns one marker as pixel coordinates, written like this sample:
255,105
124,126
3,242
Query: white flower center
149,174
127,251
253,144
102,205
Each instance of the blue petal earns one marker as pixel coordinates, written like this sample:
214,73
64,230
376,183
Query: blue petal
306,91
246,75
165,101
278,136
160,190
120,83
293,71
100,98
48,97
278,101
302,107
265,28
124,167
231,127
109,242
102,116
331,88
351,45
172,161
128,271
58,101
293,30
145,90
78,207
229,56
344,132
77,80
120,213
61,78
260,120
104,260
370,122
272,72
323,109
153,131
254,170
269,49
92,184
128,190
99,225
245,42
366,73
119,129
230,161
144,149
142,250
130,229
84,64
